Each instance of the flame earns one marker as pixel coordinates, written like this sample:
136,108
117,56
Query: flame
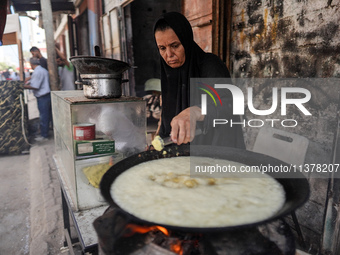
132,229
177,248
163,230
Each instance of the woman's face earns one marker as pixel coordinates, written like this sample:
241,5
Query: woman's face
170,48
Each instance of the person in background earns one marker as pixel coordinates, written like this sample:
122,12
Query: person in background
5,74
13,75
66,72
37,54
40,85
153,100
27,74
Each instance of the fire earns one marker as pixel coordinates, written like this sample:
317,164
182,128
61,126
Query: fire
177,248
163,230
132,229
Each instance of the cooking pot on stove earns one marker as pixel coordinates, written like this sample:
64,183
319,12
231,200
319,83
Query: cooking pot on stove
296,189
101,85
101,77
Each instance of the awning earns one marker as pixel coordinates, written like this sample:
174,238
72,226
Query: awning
34,5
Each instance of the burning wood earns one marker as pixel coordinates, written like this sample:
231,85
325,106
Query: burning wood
117,236
172,244
132,229
177,247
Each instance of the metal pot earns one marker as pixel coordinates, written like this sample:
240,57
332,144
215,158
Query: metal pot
296,189
101,85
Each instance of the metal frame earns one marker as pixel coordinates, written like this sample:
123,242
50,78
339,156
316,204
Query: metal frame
67,215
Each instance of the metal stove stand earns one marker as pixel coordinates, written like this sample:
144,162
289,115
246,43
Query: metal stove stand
84,234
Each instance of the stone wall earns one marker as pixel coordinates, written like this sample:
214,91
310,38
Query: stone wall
276,38
293,39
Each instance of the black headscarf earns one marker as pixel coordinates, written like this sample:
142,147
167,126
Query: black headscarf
175,82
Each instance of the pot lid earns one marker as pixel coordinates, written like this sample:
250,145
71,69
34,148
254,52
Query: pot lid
98,65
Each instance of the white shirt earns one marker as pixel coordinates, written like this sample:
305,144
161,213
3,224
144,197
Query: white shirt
66,77
40,80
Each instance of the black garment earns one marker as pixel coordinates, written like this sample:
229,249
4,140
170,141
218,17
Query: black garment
43,62
6,74
175,82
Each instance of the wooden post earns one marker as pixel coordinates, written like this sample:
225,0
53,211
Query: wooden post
221,30
21,58
46,9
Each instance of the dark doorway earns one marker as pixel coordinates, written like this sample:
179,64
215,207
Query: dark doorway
140,39
82,34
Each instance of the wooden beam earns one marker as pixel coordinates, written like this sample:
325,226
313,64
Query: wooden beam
228,32
221,30
21,59
215,27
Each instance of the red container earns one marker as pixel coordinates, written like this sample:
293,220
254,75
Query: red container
85,131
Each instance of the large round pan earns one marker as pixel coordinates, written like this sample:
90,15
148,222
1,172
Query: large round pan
297,189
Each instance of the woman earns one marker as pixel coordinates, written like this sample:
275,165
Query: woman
182,59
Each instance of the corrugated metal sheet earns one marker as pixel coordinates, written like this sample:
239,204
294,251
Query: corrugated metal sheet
11,137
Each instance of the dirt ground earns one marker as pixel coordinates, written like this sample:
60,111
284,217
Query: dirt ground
31,220
15,199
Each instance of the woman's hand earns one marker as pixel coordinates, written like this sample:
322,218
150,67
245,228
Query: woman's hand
183,126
